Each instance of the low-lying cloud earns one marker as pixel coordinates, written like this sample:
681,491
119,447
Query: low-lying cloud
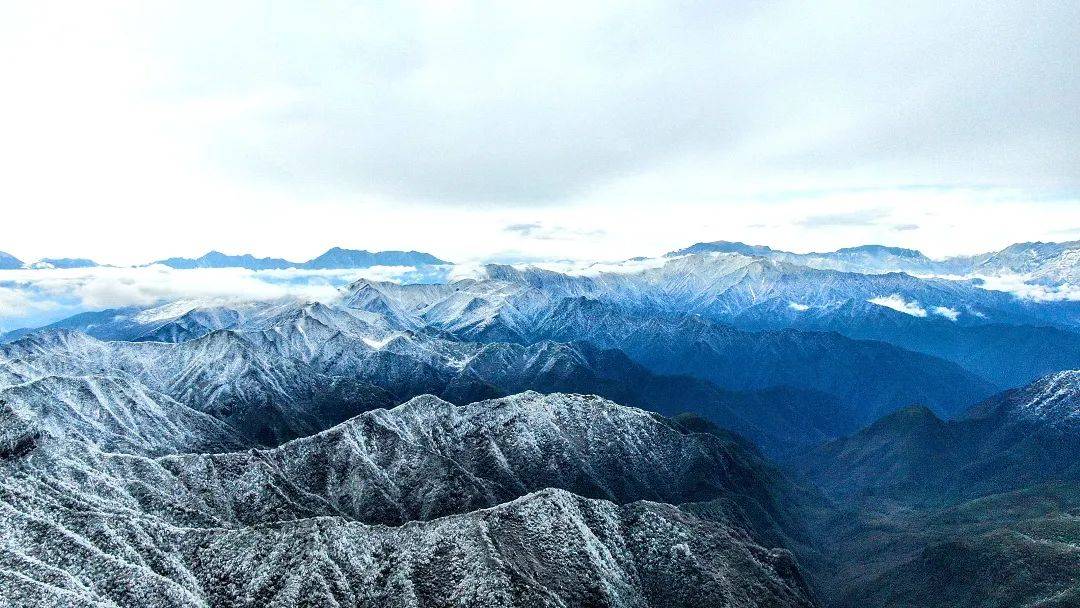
35,296
899,304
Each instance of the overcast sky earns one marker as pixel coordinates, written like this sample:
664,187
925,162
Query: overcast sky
134,131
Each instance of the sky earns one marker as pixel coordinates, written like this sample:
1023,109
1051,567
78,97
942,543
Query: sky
535,131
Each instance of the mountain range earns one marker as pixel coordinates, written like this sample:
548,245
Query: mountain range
959,321
1050,264
781,388
334,258
471,494
931,502
1045,263
728,425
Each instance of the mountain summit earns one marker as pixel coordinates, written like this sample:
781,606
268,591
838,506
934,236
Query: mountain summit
337,257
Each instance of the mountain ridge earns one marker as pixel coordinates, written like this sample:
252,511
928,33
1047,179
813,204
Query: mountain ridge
333,258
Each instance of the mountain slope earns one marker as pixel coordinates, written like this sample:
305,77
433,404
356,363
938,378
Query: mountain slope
977,511
290,525
9,262
1018,438
310,367
114,413
421,460
546,549
871,378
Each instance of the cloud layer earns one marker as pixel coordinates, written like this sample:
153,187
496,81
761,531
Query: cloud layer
34,297
139,131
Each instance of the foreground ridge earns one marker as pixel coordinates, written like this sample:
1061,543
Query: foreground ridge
505,502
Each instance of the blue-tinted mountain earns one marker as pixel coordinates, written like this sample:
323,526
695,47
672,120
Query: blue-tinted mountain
956,320
351,258
335,258
1006,354
67,263
928,507
1014,440
728,247
216,259
9,262
871,378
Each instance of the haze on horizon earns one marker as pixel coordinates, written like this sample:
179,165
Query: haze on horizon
583,131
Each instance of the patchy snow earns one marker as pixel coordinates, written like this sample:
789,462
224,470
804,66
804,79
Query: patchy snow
1053,399
378,343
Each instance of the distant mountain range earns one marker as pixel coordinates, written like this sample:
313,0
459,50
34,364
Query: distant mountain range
334,258
1045,263
954,320
1051,264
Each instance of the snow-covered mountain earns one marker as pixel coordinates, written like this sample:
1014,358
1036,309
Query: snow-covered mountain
867,259
1052,401
1045,263
727,287
531,437
550,548
287,369
114,413
957,320
671,319
303,523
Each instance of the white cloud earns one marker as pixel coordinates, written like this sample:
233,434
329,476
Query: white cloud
15,301
34,296
1018,286
404,125
897,303
949,313
798,307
